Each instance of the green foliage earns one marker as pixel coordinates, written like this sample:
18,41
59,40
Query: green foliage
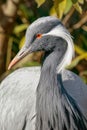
60,7
21,43
77,60
40,2
68,6
20,28
79,50
63,6
78,7
81,1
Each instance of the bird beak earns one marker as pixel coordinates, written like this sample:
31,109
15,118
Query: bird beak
22,53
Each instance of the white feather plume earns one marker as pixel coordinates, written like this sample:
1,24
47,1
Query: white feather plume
62,32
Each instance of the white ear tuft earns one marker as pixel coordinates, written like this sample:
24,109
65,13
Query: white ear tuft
62,32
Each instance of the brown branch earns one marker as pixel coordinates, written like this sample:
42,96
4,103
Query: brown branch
8,13
84,27
67,17
81,22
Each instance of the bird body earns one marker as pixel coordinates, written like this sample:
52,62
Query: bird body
17,104
46,98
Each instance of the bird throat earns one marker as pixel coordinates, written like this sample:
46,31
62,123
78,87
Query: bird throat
55,108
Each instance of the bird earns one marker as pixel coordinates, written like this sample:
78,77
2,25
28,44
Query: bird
49,97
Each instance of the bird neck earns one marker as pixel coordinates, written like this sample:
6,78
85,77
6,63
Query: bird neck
48,93
50,62
55,108
48,71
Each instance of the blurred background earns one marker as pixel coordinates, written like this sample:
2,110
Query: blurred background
17,15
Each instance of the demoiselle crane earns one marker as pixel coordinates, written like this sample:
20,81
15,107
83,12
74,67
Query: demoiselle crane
46,98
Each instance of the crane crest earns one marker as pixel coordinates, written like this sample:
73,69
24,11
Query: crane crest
60,31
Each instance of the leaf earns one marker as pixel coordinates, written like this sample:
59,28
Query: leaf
81,1
84,39
40,2
68,6
53,11
78,7
60,7
74,1
25,12
77,60
21,42
84,27
79,50
20,28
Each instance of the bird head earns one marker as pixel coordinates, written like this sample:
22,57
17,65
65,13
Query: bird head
43,34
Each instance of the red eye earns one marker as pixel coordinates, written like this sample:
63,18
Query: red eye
38,36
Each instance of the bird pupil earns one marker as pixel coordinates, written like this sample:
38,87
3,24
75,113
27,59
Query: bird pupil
39,35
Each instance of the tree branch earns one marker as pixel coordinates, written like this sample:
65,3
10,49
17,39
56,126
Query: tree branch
8,13
67,17
81,22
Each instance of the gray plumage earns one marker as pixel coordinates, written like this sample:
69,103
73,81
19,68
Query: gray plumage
59,101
